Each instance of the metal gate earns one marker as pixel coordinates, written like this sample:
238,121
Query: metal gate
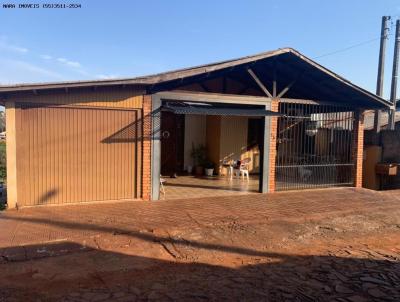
314,146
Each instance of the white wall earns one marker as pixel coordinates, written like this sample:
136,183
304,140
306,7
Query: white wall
233,142
195,132
233,137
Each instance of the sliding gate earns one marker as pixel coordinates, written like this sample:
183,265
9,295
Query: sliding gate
314,146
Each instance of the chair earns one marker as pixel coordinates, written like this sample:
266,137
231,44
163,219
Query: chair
162,188
227,164
243,168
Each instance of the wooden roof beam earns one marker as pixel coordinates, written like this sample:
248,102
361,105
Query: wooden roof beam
287,88
259,83
204,87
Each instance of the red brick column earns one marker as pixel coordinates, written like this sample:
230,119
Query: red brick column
146,165
358,147
272,146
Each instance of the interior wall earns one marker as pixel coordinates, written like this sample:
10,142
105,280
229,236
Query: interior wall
195,134
233,137
224,137
213,138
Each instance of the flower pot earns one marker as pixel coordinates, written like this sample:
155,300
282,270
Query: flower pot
189,169
199,170
209,172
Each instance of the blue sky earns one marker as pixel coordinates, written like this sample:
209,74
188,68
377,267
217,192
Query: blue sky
107,39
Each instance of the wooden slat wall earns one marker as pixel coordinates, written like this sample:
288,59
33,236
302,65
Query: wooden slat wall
74,154
110,98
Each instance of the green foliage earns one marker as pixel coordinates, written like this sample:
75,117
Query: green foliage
208,164
198,154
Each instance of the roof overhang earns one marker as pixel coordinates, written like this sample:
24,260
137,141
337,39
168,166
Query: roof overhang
315,81
213,109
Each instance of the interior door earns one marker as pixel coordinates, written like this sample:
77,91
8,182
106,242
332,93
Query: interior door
172,143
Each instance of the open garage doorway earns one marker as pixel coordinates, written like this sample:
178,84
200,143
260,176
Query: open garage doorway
210,150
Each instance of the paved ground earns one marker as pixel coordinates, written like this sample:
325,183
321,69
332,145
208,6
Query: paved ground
325,245
176,188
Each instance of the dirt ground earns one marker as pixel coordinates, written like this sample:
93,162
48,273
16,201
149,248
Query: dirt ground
349,251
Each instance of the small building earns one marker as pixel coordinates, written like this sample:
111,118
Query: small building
288,121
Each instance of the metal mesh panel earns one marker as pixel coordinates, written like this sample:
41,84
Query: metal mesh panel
314,146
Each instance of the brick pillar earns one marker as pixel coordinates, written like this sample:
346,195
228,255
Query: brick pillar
358,147
272,145
147,135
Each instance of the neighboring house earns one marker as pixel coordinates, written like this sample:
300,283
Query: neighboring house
369,120
2,135
298,124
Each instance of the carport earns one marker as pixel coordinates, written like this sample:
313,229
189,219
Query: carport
228,132
315,141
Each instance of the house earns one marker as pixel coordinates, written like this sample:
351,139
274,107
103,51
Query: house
295,123
384,116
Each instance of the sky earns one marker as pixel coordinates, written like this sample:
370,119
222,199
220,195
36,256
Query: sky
121,38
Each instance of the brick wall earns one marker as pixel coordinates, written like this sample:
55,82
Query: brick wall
147,130
358,147
272,150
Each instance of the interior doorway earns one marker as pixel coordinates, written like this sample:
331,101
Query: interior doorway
172,143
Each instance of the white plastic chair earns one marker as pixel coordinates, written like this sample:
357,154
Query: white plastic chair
227,164
162,188
243,169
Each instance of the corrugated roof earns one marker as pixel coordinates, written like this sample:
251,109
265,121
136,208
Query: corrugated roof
149,79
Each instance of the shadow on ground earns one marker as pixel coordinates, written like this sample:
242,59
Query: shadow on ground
73,272
221,187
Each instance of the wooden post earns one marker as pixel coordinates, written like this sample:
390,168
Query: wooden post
11,151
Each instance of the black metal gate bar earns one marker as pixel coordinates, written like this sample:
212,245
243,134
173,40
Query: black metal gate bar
314,146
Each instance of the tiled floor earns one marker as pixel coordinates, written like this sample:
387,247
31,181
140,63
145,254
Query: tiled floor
184,186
